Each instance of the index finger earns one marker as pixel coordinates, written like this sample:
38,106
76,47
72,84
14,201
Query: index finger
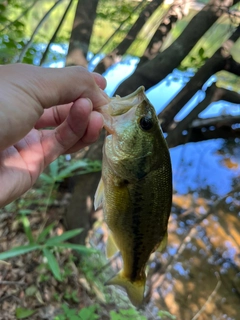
50,87
53,117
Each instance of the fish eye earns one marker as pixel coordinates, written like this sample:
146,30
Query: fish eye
146,123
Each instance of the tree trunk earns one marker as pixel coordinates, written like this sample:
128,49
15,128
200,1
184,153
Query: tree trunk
78,214
158,68
113,56
80,211
81,32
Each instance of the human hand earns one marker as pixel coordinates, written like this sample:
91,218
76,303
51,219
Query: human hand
34,98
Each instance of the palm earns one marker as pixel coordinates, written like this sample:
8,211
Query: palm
22,163
27,96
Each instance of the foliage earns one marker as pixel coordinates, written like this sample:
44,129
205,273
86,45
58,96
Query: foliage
17,23
61,169
126,314
22,313
110,15
18,26
46,245
87,313
165,314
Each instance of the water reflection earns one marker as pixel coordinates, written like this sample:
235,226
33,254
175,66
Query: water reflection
210,257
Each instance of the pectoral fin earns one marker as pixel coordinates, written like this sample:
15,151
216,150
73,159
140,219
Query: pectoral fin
111,247
99,195
163,243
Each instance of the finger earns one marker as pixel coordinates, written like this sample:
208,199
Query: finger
100,80
92,133
54,116
50,87
58,141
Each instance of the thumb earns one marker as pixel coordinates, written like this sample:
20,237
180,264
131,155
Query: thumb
27,90
50,87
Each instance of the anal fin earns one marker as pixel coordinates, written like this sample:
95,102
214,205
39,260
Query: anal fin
111,247
163,243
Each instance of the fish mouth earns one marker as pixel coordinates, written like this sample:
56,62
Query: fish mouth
118,107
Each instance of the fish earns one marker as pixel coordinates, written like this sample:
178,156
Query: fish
135,189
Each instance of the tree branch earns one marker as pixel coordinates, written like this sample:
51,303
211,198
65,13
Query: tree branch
191,233
44,56
220,60
28,44
217,122
209,299
176,135
81,32
116,31
158,68
176,12
207,129
113,56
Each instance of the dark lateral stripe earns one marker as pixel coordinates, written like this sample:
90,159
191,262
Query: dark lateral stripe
135,227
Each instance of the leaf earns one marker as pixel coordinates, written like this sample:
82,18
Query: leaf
89,166
25,211
2,8
18,251
42,236
27,229
65,236
22,313
115,316
46,178
53,264
53,169
3,19
201,52
73,166
127,314
70,313
88,313
163,313
18,24
31,291
77,247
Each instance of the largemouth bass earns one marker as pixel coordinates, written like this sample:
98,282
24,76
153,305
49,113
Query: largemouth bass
135,189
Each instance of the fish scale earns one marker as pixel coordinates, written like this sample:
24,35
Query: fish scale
135,189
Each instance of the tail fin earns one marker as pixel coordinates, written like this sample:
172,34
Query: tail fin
135,290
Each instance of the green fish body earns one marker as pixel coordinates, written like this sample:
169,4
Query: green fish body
135,189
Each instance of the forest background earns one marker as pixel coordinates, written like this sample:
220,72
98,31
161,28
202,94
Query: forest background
186,54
